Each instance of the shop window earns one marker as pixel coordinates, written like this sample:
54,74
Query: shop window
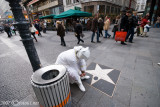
101,8
68,2
108,9
75,1
112,10
89,9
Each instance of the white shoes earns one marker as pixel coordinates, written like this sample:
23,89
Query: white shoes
85,77
81,87
158,64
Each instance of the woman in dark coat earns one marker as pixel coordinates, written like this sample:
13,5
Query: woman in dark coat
61,32
100,26
78,31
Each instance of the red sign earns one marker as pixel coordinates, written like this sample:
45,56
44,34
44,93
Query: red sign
32,2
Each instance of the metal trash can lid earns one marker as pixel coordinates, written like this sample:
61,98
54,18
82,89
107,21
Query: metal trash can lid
49,74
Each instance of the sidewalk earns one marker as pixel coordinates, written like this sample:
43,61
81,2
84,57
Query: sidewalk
132,74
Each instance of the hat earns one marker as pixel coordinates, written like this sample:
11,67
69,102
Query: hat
83,53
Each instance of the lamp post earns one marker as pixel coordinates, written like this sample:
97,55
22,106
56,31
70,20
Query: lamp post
23,27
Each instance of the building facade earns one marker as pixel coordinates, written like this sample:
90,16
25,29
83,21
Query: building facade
72,4
40,8
108,7
141,4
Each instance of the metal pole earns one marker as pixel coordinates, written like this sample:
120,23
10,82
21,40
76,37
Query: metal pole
23,27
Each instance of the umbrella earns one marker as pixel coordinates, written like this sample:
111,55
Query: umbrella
51,16
73,13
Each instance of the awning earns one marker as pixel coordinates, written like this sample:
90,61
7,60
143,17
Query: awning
73,13
47,17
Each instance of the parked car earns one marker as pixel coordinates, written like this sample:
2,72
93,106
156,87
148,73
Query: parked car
1,29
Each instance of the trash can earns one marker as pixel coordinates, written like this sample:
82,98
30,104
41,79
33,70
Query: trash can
51,86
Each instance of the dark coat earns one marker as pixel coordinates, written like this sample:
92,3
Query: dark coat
89,24
94,25
7,28
131,22
135,19
60,30
78,28
74,24
100,25
124,23
37,26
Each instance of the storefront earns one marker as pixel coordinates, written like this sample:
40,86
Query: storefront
102,7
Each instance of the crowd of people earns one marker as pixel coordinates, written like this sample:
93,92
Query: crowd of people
127,22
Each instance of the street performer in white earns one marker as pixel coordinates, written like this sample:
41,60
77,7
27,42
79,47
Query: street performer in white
75,62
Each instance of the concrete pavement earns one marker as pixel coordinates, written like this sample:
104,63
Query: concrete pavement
132,78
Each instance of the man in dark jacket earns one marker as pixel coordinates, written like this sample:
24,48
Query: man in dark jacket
133,22
124,26
78,31
37,26
94,29
7,30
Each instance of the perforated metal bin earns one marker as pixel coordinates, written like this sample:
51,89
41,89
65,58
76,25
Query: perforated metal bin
51,86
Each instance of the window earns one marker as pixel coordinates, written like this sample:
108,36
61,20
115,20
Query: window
68,2
108,9
101,8
75,1
112,10
137,7
142,7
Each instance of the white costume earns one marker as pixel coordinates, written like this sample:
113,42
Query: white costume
74,61
146,27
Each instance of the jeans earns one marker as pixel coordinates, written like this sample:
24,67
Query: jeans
106,33
130,32
157,25
93,34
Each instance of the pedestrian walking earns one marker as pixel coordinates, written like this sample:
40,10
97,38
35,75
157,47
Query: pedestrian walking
143,23
7,30
100,26
157,24
116,26
33,30
61,32
133,22
74,24
89,24
106,27
124,26
37,26
146,29
94,29
13,29
44,26
78,31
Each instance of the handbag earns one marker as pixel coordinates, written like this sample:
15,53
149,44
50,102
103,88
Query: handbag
37,32
120,36
82,35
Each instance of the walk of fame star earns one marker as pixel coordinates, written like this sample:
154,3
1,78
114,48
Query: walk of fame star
102,78
101,74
